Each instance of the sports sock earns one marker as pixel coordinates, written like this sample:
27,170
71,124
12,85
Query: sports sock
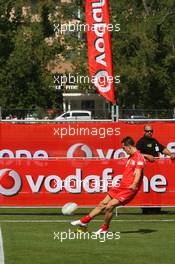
104,227
86,219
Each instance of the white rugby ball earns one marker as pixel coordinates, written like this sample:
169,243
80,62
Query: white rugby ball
69,208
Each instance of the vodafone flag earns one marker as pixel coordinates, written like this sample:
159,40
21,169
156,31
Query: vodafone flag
99,47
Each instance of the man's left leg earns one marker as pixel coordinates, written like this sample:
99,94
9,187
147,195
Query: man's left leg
94,212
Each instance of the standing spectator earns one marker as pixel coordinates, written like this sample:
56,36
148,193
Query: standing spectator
151,148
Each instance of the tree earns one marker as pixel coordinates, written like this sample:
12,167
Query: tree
144,52
25,79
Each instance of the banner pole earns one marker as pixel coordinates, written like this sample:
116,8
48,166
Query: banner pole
112,113
117,113
0,113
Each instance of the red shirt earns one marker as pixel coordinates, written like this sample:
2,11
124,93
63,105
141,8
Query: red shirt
135,161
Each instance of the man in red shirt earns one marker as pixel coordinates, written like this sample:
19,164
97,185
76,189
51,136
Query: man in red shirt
124,192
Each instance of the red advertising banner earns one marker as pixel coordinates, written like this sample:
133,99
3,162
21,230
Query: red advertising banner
27,182
100,140
99,47
99,144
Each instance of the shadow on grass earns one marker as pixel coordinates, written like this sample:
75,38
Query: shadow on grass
140,231
151,213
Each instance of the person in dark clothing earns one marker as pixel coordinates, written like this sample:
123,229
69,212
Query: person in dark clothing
150,149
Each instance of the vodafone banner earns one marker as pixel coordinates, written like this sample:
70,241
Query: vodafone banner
99,47
34,182
27,182
90,140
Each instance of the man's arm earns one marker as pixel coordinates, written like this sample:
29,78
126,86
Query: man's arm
151,158
167,152
138,174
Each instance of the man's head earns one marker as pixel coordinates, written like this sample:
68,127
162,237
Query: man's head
128,145
148,129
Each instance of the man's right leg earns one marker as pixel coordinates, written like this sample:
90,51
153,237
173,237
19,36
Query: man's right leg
96,211
109,210
100,207
108,215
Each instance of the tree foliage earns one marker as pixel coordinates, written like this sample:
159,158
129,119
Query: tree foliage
143,52
25,80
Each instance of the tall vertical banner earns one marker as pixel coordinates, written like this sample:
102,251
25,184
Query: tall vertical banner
99,47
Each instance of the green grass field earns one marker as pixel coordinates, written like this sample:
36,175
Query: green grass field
28,238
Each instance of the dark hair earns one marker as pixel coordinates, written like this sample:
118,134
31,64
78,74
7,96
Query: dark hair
128,141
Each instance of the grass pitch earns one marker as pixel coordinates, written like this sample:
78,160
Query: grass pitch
33,236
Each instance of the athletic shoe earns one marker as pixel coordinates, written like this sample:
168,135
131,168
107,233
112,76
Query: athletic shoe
101,231
78,223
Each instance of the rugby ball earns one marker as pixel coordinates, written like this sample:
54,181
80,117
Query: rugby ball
69,208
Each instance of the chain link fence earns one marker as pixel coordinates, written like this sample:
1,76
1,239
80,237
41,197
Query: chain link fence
146,114
108,113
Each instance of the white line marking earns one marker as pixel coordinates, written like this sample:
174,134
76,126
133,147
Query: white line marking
1,249
68,221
